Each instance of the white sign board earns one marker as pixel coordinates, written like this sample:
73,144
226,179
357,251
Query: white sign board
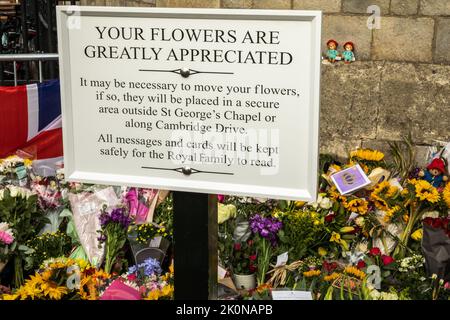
199,100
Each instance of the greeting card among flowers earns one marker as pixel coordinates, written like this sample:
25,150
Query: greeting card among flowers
350,179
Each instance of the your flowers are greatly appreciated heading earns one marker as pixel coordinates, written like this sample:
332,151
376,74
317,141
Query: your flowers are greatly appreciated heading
198,37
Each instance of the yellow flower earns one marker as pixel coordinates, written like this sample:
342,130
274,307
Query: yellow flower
299,204
322,251
417,235
54,292
357,205
367,154
382,191
390,213
153,295
346,229
350,270
311,273
332,277
336,237
425,191
446,194
406,218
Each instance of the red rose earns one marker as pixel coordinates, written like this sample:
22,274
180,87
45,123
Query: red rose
437,223
252,257
252,268
361,264
131,277
237,246
428,221
375,251
387,259
329,217
329,266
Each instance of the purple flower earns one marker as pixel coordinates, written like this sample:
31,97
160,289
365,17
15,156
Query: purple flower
266,227
118,215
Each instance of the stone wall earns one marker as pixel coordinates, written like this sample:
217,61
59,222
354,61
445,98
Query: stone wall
400,83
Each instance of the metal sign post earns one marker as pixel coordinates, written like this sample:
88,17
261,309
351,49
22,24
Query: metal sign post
195,234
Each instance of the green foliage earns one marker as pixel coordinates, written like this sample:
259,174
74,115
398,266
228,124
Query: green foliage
164,213
48,245
302,232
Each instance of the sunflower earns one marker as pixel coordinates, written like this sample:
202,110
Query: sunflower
390,213
446,195
332,277
311,273
425,191
357,205
153,295
382,191
53,291
367,154
350,270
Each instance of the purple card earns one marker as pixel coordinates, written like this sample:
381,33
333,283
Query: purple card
350,179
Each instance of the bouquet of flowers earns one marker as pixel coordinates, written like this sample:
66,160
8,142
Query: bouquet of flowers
265,231
18,208
243,259
114,227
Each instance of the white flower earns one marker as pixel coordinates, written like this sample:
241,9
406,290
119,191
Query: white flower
326,203
4,227
362,246
2,191
359,221
14,191
431,214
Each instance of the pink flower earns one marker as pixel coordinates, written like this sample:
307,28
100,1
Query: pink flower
220,198
447,285
387,259
6,238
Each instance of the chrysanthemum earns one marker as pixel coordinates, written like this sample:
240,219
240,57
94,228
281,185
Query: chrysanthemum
367,154
425,191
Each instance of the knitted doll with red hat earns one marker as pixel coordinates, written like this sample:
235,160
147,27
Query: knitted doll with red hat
348,54
332,53
435,173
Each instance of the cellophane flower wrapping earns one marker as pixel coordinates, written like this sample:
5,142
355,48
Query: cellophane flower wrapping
86,213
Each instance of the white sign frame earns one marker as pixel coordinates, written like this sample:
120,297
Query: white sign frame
183,183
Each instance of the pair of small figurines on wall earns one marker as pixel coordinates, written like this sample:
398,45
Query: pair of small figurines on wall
333,55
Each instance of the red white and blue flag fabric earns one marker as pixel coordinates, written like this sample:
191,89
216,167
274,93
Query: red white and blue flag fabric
30,121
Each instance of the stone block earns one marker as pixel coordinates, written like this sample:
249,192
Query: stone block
404,7
234,4
339,148
416,99
189,3
435,7
442,51
324,5
350,100
348,28
360,6
404,39
272,4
